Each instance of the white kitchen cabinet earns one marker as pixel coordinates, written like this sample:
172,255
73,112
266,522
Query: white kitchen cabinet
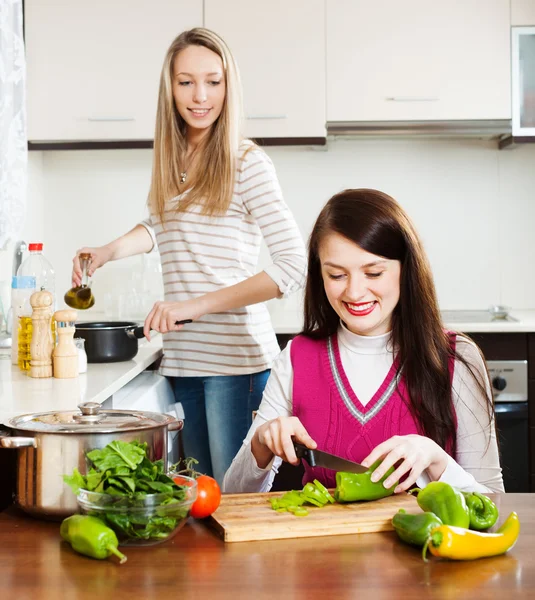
418,60
93,68
523,12
280,50
523,81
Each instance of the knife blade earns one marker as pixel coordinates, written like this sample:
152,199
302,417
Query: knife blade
317,458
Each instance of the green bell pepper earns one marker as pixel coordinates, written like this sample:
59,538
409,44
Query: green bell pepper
351,487
448,503
415,529
483,511
90,536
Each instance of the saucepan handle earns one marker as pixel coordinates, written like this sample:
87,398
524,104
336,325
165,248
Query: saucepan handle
17,442
137,332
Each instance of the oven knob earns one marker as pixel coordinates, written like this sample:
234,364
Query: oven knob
499,383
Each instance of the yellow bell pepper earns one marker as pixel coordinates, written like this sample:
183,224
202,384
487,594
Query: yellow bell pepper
458,543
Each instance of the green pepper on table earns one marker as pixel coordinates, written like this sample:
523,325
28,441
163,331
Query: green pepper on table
90,536
446,502
483,511
351,487
415,528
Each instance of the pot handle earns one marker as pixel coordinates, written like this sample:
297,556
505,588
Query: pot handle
175,424
137,332
17,442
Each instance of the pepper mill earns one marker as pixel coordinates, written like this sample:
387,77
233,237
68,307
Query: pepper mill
65,353
42,345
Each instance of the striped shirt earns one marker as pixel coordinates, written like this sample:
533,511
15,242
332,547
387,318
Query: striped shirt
200,254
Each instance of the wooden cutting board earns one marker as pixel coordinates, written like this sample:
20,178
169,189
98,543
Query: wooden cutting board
249,517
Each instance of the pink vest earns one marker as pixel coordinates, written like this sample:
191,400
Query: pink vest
331,412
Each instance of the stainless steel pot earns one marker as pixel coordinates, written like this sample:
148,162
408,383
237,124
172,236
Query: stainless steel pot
52,444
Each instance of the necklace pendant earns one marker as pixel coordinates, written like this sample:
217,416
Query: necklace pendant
183,177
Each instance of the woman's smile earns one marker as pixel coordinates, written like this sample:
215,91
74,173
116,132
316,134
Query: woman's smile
361,309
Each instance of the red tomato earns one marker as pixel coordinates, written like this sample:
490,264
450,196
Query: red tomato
179,480
208,497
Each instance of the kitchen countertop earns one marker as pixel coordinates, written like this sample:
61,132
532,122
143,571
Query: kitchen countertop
21,394
291,321
35,564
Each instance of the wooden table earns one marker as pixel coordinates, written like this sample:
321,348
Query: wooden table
35,564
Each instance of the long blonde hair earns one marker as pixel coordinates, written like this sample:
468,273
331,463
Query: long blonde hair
212,185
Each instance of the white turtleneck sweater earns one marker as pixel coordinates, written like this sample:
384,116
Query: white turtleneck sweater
366,361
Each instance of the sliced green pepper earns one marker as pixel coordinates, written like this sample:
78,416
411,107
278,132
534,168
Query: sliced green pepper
323,489
314,495
351,487
415,529
446,502
483,511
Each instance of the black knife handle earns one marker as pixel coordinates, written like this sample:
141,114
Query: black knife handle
301,451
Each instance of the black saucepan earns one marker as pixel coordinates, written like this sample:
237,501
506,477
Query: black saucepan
111,341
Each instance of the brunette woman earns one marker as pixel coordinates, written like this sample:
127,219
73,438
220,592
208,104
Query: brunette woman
374,375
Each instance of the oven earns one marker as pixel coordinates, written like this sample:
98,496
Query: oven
509,380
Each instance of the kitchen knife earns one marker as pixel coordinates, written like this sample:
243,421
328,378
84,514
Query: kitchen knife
317,458
138,331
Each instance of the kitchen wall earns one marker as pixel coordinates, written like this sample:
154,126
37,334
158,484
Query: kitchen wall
34,227
473,205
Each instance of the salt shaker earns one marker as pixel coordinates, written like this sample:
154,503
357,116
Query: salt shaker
65,354
82,355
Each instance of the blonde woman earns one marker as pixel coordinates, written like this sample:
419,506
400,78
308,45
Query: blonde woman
213,196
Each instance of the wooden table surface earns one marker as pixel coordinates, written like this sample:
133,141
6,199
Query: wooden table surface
35,564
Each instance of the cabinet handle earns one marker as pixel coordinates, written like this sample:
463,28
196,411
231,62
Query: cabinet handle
266,117
411,99
97,119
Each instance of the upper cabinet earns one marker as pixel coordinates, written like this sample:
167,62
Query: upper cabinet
93,68
523,81
414,60
280,50
523,12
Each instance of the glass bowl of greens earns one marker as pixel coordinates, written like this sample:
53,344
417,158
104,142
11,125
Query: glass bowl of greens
132,494
142,519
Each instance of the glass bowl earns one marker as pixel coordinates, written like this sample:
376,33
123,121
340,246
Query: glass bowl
141,521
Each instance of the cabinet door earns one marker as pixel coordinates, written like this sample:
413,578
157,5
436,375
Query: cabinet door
418,60
93,68
280,50
523,81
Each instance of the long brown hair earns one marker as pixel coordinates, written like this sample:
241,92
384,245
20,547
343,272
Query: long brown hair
213,185
377,223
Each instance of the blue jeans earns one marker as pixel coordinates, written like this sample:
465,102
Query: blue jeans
217,416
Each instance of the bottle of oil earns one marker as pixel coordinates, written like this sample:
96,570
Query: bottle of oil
81,297
36,265
25,341
22,287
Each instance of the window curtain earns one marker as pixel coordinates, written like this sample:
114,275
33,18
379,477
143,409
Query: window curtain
13,136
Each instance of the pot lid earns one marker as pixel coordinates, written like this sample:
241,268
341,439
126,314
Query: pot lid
91,418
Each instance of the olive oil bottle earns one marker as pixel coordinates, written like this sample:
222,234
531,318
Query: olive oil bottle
81,297
25,340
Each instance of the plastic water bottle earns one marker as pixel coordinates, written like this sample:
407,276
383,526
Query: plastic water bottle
36,265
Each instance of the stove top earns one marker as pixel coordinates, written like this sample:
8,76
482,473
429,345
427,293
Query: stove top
474,316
